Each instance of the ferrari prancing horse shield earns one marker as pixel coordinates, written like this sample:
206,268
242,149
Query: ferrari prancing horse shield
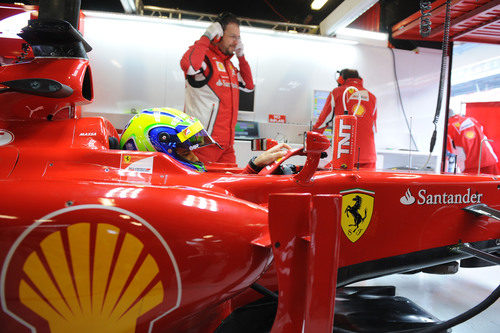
357,209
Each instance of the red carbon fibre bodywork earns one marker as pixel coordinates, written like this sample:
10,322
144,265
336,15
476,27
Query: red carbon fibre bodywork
73,73
108,240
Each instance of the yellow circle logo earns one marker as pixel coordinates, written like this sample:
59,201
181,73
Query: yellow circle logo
470,134
81,269
359,111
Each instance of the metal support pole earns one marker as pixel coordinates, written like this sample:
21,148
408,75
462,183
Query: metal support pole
447,110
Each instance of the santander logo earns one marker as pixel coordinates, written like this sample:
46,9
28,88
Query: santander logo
428,197
407,199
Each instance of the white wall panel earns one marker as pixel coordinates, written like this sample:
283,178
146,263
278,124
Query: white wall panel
289,68
418,76
135,64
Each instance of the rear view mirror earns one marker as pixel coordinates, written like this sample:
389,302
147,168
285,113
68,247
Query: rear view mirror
39,87
315,143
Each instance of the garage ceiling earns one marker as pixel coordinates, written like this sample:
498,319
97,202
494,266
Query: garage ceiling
472,20
291,11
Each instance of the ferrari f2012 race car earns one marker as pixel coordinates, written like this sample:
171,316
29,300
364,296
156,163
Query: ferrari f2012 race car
94,238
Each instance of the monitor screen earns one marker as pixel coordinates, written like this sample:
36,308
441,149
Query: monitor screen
319,101
246,129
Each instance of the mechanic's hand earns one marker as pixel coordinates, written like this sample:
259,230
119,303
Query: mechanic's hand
214,32
271,155
239,49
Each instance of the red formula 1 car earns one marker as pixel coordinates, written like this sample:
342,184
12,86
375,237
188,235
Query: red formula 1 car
97,239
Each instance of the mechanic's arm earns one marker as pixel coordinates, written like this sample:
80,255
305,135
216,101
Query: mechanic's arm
325,118
269,156
245,74
192,60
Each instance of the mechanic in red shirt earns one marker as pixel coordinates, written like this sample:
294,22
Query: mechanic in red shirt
213,84
362,104
467,136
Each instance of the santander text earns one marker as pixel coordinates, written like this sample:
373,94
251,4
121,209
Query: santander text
446,198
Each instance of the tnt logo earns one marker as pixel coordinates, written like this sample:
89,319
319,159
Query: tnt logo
344,142
345,135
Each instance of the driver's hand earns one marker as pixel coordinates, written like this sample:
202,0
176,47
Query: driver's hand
272,154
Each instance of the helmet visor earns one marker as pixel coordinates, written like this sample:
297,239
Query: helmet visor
194,137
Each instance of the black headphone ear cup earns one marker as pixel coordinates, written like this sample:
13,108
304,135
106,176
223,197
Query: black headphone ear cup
163,137
225,18
220,19
340,79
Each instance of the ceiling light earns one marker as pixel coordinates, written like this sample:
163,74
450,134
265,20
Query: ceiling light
349,32
129,6
318,4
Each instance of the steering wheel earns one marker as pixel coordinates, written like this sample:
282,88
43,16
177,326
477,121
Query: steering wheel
273,167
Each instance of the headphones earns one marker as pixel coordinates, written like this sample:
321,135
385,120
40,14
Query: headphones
340,78
224,19
345,74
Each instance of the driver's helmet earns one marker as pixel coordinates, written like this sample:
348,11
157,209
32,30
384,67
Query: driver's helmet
165,130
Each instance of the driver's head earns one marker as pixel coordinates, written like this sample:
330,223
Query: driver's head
169,131
230,38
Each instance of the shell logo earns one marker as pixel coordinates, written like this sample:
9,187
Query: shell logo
470,134
220,66
351,91
90,277
359,110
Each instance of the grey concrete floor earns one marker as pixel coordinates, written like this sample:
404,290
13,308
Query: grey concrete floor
446,296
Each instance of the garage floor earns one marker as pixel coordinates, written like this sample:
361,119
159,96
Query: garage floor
446,296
